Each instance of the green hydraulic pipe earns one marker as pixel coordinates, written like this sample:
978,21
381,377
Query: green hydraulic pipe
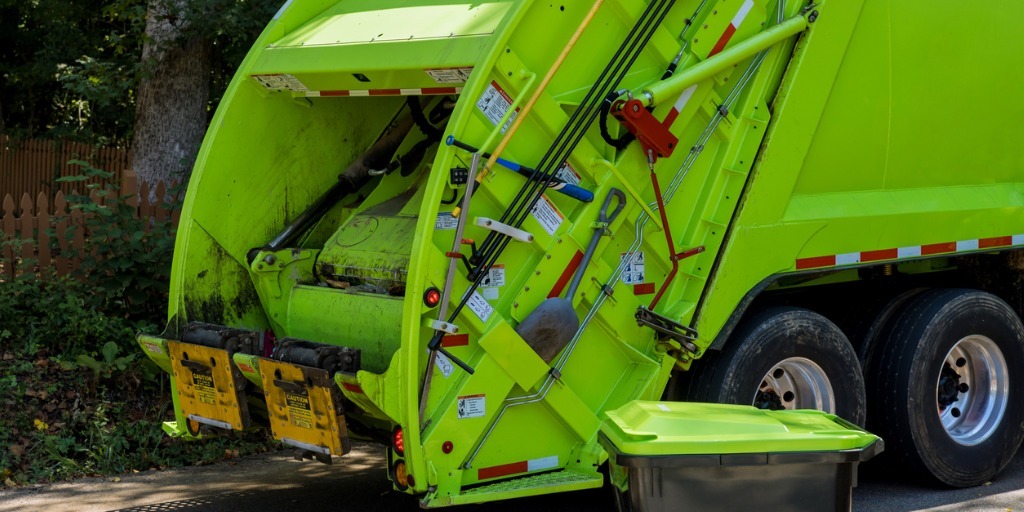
672,87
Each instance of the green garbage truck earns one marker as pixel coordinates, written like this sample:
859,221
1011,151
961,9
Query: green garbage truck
468,230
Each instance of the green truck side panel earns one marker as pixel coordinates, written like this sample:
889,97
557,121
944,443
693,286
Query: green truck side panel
880,142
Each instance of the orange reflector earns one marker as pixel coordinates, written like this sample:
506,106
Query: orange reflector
399,475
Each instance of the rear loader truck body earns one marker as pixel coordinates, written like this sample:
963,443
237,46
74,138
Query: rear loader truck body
469,230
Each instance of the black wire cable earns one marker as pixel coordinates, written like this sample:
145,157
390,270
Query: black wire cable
567,140
606,107
577,132
580,119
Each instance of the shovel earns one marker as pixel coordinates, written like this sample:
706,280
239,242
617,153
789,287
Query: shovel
550,327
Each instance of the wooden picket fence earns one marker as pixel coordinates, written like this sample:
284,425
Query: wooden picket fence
32,166
26,224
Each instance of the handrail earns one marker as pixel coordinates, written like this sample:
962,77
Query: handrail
669,89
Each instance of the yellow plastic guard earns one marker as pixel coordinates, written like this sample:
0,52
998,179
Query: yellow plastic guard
304,410
210,388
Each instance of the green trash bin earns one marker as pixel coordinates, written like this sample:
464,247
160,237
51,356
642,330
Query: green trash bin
712,457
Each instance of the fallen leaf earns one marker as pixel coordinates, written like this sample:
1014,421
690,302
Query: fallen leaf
43,363
18,450
115,479
40,424
9,483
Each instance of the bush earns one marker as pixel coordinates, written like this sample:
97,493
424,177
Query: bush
76,395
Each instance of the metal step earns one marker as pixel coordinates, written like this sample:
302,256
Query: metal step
533,485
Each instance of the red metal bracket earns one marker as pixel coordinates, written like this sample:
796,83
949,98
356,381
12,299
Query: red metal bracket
652,134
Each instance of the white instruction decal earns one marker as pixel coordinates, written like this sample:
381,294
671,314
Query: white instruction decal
154,348
489,293
547,215
494,103
450,75
542,463
444,364
634,271
472,406
567,174
480,306
495,277
445,221
281,82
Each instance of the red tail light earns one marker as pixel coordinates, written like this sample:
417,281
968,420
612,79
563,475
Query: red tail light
432,297
398,441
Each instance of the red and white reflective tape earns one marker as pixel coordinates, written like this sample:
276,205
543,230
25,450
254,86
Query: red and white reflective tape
515,468
679,105
914,251
733,26
422,91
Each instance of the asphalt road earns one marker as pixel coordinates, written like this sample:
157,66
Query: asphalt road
357,483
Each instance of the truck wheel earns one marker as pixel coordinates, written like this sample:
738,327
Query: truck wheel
784,358
941,391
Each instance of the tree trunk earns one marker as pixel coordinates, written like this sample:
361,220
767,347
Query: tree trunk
170,110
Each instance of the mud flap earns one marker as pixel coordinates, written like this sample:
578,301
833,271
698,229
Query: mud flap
210,388
305,408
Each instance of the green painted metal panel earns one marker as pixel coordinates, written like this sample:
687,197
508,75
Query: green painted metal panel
672,428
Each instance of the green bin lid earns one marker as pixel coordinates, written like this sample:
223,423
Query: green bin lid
646,428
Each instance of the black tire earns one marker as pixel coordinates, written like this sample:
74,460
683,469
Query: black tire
909,403
738,374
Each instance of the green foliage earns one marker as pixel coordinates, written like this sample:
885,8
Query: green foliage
129,268
40,43
56,424
70,68
110,363
76,398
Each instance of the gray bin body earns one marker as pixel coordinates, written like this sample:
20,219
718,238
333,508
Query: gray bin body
769,482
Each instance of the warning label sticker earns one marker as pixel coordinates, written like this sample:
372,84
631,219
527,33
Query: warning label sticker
633,273
204,388
299,411
444,364
547,215
494,103
495,277
445,221
154,348
472,406
480,306
281,82
567,174
450,75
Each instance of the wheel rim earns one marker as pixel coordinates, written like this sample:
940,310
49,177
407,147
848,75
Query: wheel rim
795,383
972,390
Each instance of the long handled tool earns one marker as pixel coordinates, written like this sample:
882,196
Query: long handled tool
556,184
537,93
435,342
549,327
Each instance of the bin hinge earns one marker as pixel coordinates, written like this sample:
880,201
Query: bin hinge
668,329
